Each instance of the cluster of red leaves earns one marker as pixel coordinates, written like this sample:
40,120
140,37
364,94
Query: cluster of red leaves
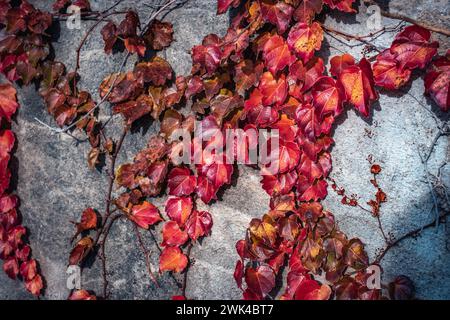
158,35
413,49
289,91
24,54
262,74
25,44
13,249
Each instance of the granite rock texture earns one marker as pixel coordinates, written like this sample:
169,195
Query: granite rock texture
55,185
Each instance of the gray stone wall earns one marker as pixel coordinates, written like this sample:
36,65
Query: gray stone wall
55,185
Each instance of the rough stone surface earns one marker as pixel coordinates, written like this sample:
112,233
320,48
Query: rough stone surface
55,185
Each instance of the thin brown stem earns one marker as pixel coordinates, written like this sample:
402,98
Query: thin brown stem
411,234
188,253
146,253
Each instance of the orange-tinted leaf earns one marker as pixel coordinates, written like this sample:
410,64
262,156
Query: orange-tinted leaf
412,47
35,285
387,72
7,140
82,295
173,235
274,91
81,250
135,45
304,39
358,84
88,221
172,259
8,101
28,269
339,63
355,255
145,215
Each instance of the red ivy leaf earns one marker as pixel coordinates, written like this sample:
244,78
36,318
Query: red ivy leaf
276,54
206,189
179,209
172,259
277,13
304,39
199,224
181,182
260,280
173,235
358,84
82,295
8,101
307,10
81,250
28,269
339,63
341,5
145,215
159,35
223,5
11,267
387,72
35,285
412,47
206,58
437,82
273,91
7,140
88,220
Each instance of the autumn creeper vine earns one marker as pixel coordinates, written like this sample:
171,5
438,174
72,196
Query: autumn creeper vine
264,73
14,250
